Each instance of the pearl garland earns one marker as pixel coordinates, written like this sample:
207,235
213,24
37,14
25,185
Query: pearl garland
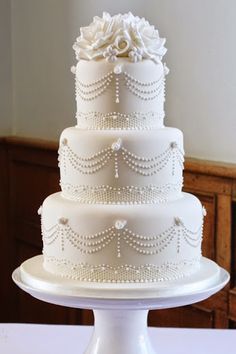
144,166
84,165
144,90
142,244
90,91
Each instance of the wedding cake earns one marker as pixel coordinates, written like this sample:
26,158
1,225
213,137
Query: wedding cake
121,215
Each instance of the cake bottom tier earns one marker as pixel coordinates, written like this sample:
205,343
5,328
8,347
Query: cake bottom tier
122,243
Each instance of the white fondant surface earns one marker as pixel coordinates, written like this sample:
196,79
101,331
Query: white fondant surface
32,275
94,93
143,158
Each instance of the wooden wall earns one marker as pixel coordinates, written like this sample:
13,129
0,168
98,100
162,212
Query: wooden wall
29,173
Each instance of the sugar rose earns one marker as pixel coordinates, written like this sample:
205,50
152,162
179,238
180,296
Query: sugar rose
119,36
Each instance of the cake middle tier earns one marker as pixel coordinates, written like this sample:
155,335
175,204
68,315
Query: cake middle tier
121,167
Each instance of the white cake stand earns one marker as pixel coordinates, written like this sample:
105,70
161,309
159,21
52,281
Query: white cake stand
120,311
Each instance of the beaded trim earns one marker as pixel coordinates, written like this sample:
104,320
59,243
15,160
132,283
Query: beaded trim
105,194
127,273
92,90
144,90
117,120
141,244
144,166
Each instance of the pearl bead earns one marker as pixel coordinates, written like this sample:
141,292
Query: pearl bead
63,221
40,209
117,69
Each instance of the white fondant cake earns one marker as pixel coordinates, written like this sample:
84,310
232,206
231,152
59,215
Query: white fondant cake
121,215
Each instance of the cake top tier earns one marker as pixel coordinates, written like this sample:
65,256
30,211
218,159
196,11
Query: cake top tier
119,36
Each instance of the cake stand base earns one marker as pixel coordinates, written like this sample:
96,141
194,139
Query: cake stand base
120,332
120,310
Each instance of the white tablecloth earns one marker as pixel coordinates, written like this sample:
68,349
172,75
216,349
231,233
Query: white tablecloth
50,339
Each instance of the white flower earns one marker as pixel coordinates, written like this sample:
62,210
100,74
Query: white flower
204,211
40,209
64,141
135,54
73,69
123,33
63,221
116,145
173,145
166,69
110,54
117,69
178,221
120,224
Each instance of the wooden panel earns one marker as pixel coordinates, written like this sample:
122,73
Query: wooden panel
6,244
208,244
223,246
209,184
233,246
214,311
232,293
87,317
232,304
32,310
217,302
29,179
28,232
234,191
33,174
30,143
187,316
211,168
221,320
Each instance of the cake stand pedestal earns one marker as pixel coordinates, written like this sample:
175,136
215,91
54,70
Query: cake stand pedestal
120,311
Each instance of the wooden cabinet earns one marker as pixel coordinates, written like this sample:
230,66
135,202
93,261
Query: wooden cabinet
232,292
215,190
29,173
32,175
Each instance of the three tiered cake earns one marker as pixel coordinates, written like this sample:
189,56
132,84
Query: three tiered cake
121,215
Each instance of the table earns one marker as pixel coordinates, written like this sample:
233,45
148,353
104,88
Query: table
60,339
